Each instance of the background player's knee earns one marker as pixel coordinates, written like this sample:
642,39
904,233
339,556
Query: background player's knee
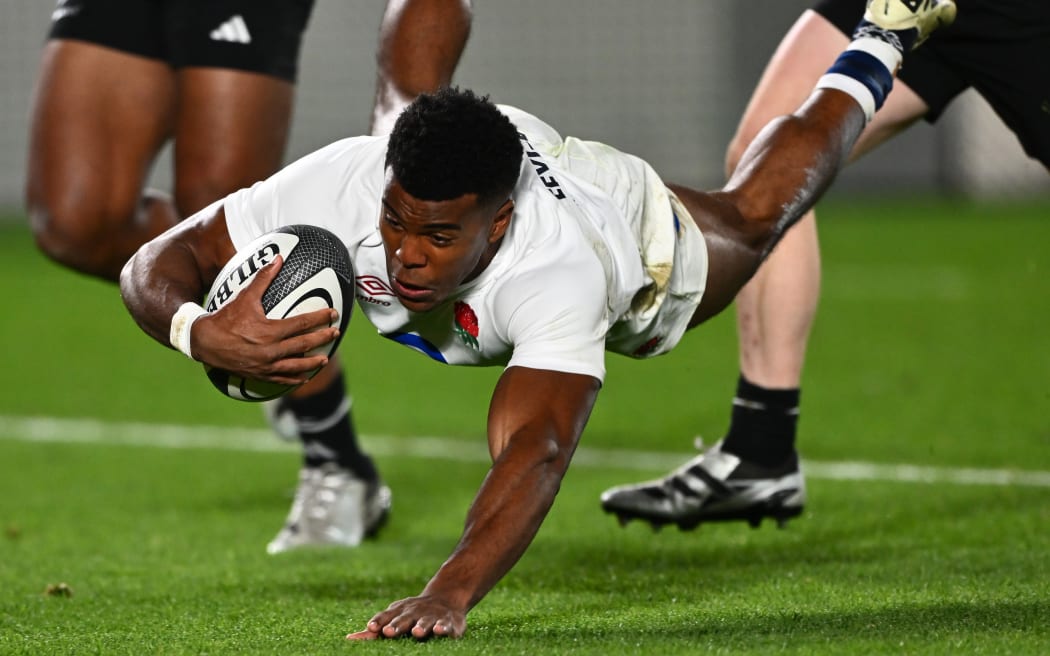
71,234
97,240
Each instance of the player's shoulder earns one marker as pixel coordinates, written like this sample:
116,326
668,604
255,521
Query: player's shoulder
354,163
348,149
532,128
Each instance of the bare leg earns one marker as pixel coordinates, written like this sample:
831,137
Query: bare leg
99,118
420,43
787,285
231,130
775,310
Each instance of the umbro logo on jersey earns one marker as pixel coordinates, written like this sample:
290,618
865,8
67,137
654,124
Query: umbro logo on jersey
234,30
374,285
371,286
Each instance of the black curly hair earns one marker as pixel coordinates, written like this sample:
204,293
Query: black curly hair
454,142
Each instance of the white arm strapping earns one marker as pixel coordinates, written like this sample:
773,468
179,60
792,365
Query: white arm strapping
181,323
851,86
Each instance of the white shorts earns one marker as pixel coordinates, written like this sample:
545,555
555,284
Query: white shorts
661,312
672,248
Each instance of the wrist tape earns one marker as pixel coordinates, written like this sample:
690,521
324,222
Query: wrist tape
864,71
181,322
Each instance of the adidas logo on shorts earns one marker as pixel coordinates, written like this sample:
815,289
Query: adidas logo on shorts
233,30
65,8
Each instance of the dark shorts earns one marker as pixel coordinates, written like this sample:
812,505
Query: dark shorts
261,36
1001,48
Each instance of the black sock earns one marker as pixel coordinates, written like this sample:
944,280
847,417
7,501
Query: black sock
327,431
762,428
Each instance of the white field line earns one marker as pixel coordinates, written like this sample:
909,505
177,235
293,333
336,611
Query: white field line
171,436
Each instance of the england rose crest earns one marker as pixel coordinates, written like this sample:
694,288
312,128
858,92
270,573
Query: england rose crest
466,324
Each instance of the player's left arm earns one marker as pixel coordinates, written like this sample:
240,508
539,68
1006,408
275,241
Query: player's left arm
535,421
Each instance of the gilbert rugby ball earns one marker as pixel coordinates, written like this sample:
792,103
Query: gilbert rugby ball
316,274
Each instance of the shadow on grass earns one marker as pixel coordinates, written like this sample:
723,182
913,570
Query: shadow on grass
632,562
670,623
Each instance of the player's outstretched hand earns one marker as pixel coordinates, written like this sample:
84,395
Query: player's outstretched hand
239,338
420,617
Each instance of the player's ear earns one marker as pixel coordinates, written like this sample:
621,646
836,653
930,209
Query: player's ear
502,221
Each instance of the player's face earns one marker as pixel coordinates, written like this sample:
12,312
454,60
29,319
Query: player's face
432,247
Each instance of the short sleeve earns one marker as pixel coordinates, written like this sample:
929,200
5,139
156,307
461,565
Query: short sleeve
308,190
557,322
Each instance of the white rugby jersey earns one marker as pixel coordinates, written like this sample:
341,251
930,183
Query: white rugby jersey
565,273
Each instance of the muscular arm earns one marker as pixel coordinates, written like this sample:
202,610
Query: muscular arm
535,421
794,158
789,165
173,269
780,176
177,267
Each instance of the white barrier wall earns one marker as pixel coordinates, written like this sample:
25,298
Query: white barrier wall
666,80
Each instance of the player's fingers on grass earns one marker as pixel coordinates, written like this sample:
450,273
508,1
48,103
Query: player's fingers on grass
380,621
433,625
399,625
423,628
449,628
364,635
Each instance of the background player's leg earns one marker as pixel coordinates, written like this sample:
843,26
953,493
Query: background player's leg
775,313
231,130
420,43
776,309
99,118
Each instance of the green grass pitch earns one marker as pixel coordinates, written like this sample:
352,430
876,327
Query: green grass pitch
126,477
